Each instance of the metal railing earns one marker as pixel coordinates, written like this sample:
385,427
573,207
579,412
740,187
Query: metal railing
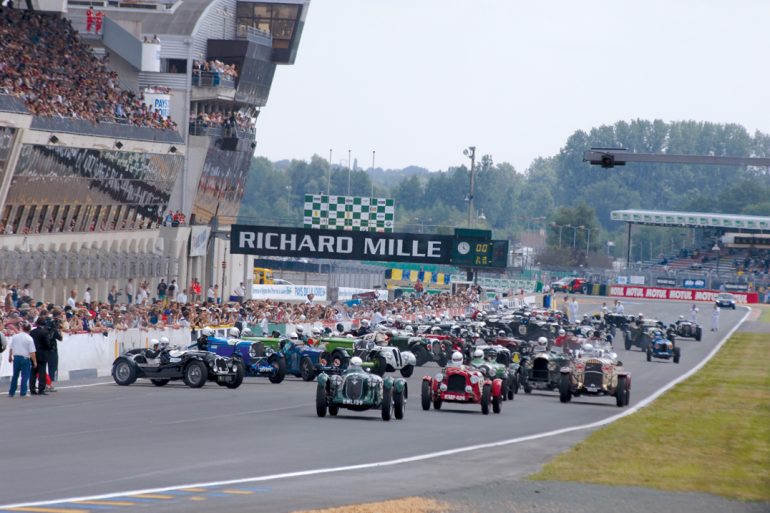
253,34
212,79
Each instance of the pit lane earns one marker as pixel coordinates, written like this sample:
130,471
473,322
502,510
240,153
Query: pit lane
105,439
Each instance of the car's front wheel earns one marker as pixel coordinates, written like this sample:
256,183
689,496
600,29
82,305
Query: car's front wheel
387,403
124,373
565,394
307,369
399,405
320,401
407,370
195,374
425,396
279,369
240,372
622,392
486,392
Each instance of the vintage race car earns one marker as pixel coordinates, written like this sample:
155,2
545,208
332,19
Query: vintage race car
498,362
164,365
639,334
258,359
594,374
302,360
462,384
663,348
359,390
373,349
541,370
426,348
687,329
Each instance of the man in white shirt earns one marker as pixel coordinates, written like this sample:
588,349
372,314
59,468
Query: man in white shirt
264,325
182,297
87,296
211,295
71,300
21,353
239,292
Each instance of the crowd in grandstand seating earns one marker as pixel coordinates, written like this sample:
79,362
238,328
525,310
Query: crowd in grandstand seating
44,63
216,68
172,307
227,120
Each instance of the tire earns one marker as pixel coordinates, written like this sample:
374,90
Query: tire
320,401
338,359
240,372
486,392
526,386
399,404
306,369
509,394
497,403
627,340
334,410
425,396
649,355
621,392
279,364
441,359
516,382
407,371
421,354
159,382
698,334
195,374
437,403
380,365
565,394
124,373
677,354
387,403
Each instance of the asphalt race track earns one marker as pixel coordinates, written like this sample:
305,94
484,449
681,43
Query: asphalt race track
106,442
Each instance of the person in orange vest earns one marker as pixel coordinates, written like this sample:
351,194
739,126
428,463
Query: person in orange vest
89,18
99,20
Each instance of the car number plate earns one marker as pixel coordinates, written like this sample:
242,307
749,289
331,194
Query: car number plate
354,402
453,397
592,388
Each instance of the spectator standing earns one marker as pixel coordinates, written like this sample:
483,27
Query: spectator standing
99,21
21,353
112,297
162,289
71,301
619,308
87,296
172,290
574,309
239,292
130,291
264,325
694,313
182,297
89,18
195,290
211,295
715,318
40,336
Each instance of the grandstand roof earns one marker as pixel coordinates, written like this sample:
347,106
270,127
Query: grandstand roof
181,22
691,219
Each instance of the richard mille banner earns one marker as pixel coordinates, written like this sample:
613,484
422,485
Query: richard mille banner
340,245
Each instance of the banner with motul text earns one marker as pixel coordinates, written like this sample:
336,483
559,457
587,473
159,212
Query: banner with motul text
630,291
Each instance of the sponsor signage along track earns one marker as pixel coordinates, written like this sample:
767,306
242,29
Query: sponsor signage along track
676,294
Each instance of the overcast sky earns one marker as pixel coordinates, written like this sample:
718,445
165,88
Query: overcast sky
419,80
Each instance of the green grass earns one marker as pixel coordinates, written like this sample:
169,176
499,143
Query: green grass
709,434
765,317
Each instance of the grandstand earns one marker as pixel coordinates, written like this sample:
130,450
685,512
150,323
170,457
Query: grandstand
112,115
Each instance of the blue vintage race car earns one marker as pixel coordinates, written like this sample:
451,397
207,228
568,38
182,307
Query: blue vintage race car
259,359
662,347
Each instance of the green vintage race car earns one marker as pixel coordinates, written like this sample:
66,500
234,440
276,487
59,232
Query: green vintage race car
496,362
359,390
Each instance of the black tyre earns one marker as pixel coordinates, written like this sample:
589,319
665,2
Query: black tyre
627,340
195,374
160,382
399,404
486,393
124,372
497,403
307,369
649,355
677,354
426,395
338,359
387,403
320,401
508,393
698,334
407,370
526,386
334,410
622,392
279,369
441,358
421,354
437,403
240,372
516,382
565,393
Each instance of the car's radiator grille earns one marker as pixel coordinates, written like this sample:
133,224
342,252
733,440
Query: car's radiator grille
593,375
354,388
540,369
220,365
456,383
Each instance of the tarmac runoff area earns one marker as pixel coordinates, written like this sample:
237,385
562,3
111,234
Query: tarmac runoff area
261,447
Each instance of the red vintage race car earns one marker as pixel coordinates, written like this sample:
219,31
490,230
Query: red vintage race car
462,385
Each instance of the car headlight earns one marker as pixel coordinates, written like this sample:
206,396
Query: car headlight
468,389
442,387
439,377
474,379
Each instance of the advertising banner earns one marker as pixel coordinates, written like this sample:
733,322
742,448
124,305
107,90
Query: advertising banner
636,280
288,292
676,294
666,282
736,287
697,283
199,238
160,102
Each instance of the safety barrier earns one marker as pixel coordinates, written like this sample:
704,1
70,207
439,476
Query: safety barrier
677,294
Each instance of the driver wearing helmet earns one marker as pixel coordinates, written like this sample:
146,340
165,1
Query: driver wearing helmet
233,333
586,321
457,360
501,334
203,338
316,336
355,365
363,328
542,344
301,334
246,332
478,358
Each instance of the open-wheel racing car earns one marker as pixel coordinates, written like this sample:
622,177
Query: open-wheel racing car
164,364
359,390
595,373
541,367
663,348
687,329
458,383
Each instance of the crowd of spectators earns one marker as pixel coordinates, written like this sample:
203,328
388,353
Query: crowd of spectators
216,69
44,63
227,120
138,307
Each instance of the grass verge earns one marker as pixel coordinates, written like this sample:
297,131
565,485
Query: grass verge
765,317
710,433
406,505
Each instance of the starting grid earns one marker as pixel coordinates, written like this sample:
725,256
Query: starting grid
353,213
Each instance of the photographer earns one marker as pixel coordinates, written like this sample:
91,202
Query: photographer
54,329
41,336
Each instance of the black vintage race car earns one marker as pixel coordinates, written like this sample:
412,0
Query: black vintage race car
687,329
164,365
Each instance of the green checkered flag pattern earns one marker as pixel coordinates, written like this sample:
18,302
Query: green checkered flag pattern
349,213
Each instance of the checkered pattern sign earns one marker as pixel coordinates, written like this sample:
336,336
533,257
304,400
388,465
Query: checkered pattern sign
349,213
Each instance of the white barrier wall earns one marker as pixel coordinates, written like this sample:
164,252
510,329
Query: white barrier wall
88,354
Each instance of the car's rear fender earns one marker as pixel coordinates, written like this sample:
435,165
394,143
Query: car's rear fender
497,387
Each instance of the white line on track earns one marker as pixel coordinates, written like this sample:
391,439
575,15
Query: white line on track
400,461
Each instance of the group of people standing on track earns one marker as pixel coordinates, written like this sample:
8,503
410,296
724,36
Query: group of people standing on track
34,354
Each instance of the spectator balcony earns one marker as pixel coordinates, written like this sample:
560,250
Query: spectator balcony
212,85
